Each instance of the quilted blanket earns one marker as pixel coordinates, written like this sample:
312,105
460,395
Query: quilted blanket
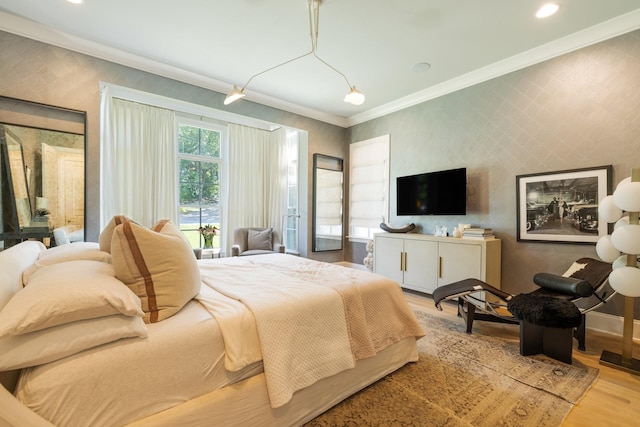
312,319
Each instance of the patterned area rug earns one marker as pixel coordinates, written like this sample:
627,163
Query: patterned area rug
466,380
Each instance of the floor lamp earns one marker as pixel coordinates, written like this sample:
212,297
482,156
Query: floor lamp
622,248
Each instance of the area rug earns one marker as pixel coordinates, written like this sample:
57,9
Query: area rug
466,380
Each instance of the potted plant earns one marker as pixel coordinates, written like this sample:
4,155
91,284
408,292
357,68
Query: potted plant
41,215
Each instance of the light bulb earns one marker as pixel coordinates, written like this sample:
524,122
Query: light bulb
354,97
547,10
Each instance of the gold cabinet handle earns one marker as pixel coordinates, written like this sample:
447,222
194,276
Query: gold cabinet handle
440,267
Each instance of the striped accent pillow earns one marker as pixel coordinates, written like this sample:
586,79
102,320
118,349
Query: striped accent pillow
107,233
158,265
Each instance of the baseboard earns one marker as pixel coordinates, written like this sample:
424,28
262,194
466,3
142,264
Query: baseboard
609,323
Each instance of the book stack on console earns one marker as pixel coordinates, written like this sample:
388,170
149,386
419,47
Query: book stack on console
478,233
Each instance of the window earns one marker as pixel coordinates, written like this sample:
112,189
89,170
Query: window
199,178
368,187
290,228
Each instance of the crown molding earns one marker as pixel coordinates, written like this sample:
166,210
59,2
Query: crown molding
589,36
597,33
39,32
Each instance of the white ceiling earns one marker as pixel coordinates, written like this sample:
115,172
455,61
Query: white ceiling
219,43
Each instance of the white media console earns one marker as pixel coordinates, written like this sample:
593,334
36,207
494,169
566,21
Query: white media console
422,262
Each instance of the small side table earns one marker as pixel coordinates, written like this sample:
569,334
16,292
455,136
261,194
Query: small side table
211,253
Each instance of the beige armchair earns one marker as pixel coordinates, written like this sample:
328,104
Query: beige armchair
255,241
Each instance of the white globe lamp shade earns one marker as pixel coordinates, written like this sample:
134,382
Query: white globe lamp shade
608,211
627,239
621,262
621,222
605,249
623,182
627,197
626,281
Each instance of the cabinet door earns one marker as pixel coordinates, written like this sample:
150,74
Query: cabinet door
459,262
420,265
387,253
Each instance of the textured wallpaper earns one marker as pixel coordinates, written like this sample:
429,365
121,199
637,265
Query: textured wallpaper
578,110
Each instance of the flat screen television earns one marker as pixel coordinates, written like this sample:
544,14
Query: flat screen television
433,193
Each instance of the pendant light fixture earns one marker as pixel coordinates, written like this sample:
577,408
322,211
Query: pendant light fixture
353,96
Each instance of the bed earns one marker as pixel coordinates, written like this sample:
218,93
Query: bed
143,334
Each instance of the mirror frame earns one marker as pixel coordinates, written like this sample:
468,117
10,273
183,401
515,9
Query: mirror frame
45,117
16,176
322,163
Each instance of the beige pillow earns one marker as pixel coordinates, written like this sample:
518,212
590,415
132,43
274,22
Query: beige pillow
67,292
158,266
260,240
64,253
107,232
51,344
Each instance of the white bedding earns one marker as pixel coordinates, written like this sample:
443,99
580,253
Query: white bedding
301,326
117,383
185,356
336,306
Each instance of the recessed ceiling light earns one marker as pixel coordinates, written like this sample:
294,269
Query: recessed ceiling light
75,1
547,10
420,67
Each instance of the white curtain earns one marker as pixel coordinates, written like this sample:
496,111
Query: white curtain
138,161
257,179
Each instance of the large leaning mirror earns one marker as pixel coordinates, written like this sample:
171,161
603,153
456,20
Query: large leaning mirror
43,176
328,191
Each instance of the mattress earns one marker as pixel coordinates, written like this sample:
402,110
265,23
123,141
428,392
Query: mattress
247,402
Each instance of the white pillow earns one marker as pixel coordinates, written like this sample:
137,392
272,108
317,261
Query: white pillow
48,345
67,292
13,261
158,265
260,240
58,254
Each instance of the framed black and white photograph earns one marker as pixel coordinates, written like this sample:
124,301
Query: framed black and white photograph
562,206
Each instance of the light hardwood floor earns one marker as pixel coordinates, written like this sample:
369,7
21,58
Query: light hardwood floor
613,400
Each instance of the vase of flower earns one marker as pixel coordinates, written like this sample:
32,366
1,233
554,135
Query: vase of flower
208,233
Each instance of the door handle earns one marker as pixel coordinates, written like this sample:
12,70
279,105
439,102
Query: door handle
440,267
403,261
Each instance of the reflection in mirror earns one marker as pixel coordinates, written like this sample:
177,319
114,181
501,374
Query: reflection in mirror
327,203
56,184
45,151
17,172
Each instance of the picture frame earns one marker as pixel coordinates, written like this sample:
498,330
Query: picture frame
562,206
